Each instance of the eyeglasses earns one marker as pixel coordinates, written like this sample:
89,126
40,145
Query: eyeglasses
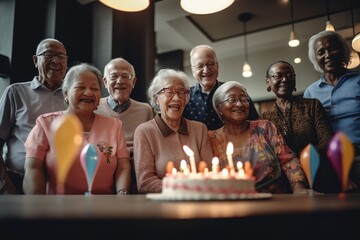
202,66
50,56
168,92
115,76
234,100
280,76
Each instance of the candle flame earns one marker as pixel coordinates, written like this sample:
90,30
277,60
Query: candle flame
183,165
188,151
239,165
225,172
215,161
230,149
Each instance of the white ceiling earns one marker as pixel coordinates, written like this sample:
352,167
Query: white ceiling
174,30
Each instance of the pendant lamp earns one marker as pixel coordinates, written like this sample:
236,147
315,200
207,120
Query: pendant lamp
293,42
244,17
205,6
329,26
354,57
127,5
356,40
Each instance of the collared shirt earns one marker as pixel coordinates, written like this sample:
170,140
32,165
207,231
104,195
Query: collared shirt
341,102
166,130
20,104
200,108
158,144
119,108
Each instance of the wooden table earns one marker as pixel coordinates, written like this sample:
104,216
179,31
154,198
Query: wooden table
109,216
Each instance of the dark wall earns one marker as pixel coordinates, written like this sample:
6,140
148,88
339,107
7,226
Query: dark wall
173,59
131,36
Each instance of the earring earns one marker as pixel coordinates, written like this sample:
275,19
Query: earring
268,89
66,101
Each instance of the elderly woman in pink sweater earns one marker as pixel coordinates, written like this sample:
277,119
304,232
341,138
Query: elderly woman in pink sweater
160,140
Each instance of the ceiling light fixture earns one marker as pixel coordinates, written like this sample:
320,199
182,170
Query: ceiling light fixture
354,57
244,17
293,42
356,43
329,26
205,6
127,5
356,40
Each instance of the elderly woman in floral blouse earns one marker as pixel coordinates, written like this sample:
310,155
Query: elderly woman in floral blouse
275,166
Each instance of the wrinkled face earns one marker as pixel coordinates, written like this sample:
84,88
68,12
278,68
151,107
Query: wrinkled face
329,54
51,62
205,68
84,94
172,99
119,80
281,80
235,107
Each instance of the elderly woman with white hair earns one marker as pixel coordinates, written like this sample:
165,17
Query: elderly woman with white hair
275,166
338,89
160,140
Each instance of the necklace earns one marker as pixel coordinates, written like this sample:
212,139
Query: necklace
286,124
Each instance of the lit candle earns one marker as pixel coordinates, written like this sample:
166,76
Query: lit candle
215,164
229,152
224,173
190,153
241,171
183,166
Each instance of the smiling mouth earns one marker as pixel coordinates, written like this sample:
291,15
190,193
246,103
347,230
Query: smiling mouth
174,107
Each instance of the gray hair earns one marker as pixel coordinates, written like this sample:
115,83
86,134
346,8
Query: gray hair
196,48
160,80
119,60
43,42
328,34
74,73
220,93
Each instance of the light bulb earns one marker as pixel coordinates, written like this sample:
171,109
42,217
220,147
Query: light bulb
329,26
297,60
246,70
293,41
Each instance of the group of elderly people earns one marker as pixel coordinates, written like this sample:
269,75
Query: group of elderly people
205,117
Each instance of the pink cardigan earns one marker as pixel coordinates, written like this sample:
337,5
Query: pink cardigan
156,144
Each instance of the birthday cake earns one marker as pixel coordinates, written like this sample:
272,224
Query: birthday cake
200,183
203,186
228,184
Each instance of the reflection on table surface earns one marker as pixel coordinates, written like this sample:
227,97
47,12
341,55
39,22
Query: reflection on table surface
138,216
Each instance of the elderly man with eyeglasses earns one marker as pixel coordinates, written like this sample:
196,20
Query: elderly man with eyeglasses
119,80
205,69
20,105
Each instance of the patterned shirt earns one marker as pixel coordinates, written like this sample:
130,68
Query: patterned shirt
308,124
306,121
274,164
200,108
